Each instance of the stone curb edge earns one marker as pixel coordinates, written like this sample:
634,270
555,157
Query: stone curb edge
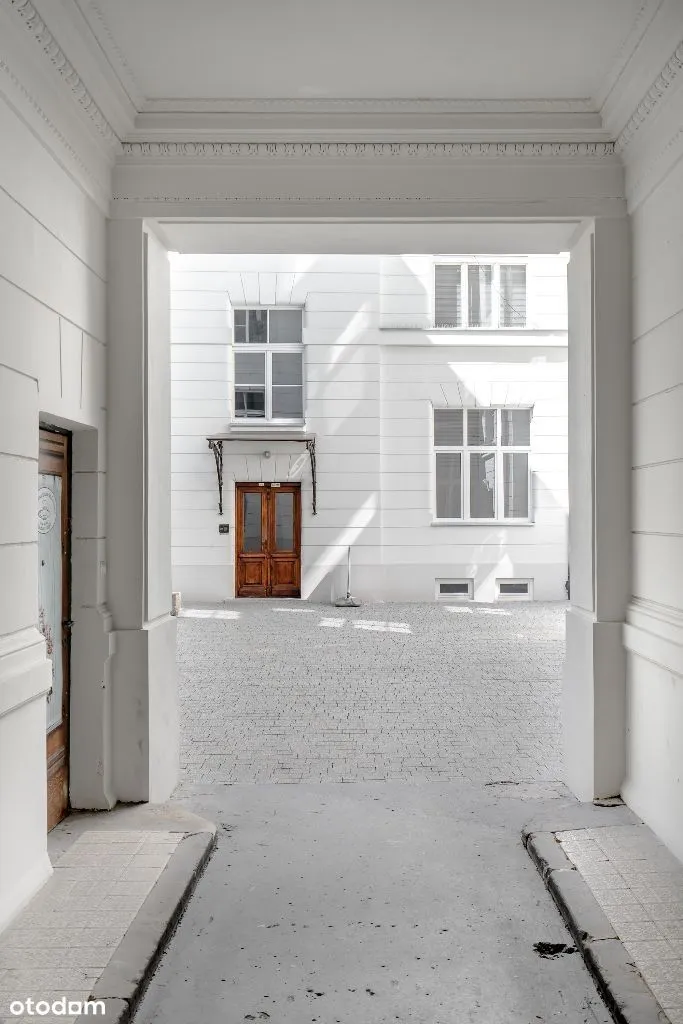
125,978
619,982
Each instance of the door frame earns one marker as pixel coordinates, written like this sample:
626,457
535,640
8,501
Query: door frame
55,444
267,488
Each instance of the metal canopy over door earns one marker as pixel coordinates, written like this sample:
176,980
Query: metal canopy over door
268,540
54,608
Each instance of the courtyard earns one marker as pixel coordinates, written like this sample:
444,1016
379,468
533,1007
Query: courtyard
281,691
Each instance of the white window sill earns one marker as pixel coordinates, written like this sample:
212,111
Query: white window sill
256,425
482,522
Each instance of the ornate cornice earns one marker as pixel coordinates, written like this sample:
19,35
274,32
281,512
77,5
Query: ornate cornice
49,124
92,13
363,150
652,98
43,36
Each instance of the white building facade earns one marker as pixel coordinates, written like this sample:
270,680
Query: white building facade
109,161
434,389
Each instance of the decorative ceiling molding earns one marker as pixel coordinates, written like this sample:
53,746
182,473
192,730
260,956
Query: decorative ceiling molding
641,24
104,36
43,36
652,99
362,150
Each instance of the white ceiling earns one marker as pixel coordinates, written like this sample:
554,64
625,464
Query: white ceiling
375,49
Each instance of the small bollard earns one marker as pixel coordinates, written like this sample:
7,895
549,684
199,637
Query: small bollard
175,603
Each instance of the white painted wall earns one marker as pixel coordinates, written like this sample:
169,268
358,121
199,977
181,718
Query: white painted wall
369,392
52,367
654,633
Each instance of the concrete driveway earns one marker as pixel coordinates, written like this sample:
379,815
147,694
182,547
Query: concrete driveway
389,883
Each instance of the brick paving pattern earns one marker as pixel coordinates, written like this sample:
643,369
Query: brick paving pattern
289,692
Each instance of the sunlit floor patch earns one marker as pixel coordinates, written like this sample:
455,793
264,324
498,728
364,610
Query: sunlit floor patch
332,622
383,627
209,613
300,611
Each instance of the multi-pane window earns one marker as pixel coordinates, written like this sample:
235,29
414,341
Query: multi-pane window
268,351
482,463
489,295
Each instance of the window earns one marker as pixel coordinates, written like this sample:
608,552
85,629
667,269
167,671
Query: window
482,464
452,589
490,295
519,589
268,351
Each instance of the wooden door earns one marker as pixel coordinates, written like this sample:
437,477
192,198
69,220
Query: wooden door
268,540
54,608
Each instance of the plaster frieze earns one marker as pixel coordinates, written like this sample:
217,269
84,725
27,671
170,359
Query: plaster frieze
51,48
363,150
330,105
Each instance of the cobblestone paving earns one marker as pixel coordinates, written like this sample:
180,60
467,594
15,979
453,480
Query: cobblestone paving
280,691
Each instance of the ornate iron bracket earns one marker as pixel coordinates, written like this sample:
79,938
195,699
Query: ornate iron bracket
310,446
216,446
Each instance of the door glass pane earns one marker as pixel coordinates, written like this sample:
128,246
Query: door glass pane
284,520
515,426
285,326
479,285
287,403
448,485
239,324
481,426
516,485
50,585
258,326
252,521
482,485
250,384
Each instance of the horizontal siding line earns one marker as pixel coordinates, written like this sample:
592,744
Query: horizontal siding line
18,544
53,235
18,458
13,369
656,533
652,465
641,337
655,394
56,312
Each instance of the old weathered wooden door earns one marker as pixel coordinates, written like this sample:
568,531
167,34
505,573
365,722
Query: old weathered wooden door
268,540
54,608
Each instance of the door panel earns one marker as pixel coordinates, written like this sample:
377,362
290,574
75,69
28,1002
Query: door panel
268,540
54,603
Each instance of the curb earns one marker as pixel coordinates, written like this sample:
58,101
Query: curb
126,976
619,982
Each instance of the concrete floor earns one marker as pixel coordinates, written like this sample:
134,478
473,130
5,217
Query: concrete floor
386,900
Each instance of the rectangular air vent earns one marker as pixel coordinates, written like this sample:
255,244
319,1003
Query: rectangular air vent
450,589
515,588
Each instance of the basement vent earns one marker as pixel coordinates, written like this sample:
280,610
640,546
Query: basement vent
455,589
515,588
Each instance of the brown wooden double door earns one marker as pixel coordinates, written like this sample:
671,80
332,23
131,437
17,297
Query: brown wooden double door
268,540
54,609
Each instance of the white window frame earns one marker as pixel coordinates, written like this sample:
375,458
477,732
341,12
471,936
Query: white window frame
500,450
529,596
464,263
469,596
268,349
